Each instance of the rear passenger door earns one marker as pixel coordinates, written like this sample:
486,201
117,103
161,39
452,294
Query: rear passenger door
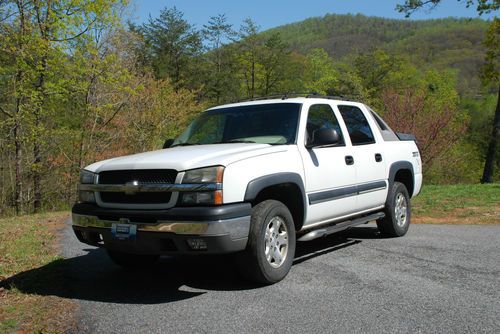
329,180
368,158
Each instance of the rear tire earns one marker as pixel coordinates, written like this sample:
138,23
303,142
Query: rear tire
397,212
269,254
132,261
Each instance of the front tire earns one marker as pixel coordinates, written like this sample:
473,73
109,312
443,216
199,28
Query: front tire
271,244
397,212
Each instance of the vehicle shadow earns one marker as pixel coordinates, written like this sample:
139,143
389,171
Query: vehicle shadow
94,277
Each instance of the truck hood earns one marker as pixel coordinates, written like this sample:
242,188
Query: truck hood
187,157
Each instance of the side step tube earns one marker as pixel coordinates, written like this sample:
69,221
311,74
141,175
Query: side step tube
321,232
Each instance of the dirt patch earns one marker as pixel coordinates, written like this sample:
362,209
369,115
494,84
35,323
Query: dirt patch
462,216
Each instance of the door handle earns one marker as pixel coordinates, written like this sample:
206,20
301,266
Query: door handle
378,157
349,160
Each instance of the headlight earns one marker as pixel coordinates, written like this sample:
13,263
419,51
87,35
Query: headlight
86,177
204,175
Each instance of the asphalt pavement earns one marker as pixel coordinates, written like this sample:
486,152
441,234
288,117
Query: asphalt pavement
436,279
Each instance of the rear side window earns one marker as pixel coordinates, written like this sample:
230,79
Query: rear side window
321,116
357,125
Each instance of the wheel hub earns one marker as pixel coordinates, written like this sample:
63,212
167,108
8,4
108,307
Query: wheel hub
276,242
400,210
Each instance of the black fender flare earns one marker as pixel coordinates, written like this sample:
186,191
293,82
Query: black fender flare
255,186
397,166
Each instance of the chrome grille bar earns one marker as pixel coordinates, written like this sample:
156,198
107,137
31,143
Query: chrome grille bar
139,188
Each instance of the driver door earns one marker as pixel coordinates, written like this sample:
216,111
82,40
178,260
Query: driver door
329,176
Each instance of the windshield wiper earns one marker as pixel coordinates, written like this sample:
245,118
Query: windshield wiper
235,141
185,144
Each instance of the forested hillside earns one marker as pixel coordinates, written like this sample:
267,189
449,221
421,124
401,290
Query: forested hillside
451,43
80,83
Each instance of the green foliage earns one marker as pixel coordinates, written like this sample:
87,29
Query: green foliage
442,44
219,65
491,68
320,75
75,87
172,44
482,6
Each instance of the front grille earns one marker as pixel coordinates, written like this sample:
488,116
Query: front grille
143,176
138,198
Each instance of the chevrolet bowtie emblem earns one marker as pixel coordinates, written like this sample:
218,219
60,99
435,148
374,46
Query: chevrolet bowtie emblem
131,187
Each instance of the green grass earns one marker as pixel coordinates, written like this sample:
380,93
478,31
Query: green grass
28,243
458,204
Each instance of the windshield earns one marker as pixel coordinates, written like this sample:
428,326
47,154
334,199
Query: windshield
265,124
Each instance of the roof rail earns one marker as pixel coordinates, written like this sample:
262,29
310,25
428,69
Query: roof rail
282,96
285,96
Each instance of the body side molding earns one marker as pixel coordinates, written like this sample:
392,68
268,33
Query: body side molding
330,195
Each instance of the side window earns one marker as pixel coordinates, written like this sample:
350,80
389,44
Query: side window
357,125
321,116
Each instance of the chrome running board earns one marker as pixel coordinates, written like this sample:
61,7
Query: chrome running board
324,231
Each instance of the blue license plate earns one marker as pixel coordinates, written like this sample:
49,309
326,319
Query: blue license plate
124,231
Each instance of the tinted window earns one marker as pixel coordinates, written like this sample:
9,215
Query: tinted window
357,125
379,121
321,116
264,123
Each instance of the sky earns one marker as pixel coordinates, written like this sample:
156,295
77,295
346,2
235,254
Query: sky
273,13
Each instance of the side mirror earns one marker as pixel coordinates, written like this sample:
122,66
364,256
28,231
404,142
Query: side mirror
168,143
324,137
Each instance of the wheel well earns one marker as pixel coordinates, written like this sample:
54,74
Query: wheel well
290,195
405,177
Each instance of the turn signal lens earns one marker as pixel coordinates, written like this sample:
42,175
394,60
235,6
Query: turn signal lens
218,197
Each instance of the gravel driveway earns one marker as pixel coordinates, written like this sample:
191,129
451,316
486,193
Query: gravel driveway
437,279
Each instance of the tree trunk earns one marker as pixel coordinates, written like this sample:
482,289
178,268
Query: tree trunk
252,78
37,153
17,168
492,147
37,160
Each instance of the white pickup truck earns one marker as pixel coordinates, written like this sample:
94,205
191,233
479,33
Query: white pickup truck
252,178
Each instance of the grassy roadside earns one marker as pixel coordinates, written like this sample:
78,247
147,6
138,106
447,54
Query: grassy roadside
458,204
27,243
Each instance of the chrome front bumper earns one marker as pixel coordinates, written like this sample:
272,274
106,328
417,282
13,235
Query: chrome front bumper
236,228
224,229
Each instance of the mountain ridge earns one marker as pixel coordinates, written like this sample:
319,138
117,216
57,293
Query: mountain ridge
446,43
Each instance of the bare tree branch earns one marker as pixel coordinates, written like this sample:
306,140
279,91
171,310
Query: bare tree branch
5,112
77,35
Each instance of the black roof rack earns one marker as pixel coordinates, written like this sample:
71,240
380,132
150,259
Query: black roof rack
285,96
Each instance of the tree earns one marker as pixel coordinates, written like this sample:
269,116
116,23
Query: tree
173,43
320,75
482,6
35,41
489,72
273,59
430,112
490,76
217,33
248,55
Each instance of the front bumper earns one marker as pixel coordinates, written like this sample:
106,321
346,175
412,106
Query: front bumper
224,229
